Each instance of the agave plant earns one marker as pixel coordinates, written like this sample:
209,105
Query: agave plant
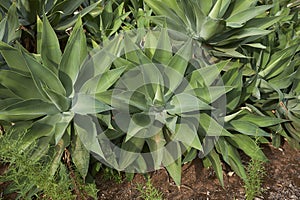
229,29
221,27
61,13
39,95
277,66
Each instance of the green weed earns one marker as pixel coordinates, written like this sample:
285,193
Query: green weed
149,192
30,178
255,174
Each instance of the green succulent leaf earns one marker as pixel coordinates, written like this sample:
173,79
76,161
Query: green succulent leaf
211,127
102,82
74,55
88,104
10,54
21,85
187,134
231,157
173,163
50,49
247,128
239,19
9,26
214,158
156,145
43,76
87,130
131,150
80,156
183,102
27,110
248,145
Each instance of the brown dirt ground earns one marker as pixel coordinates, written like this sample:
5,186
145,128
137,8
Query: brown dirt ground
282,181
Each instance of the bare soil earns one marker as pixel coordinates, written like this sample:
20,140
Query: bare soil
282,181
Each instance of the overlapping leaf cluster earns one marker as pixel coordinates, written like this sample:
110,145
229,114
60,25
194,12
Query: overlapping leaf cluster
70,92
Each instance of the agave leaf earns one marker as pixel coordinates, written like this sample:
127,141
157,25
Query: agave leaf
216,164
50,49
39,30
29,9
278,62
42,128
211,27
176,6
178,65
248,146
133,53
67,7
262,23
43,76
225,52
70,21
108,79
6,93
112,18
160,8
8,102
88,104
63,125
248,88
261,121
10,54
61,102
199,15
211,127
74,54
190,155
224,8
20,85
150,42
172,162
235,162
205,76
10,26
215,11
239,35
241,5
183,102
247,128
231,156
59,150
205,6
156,144
256,45
233,77
102,82
131,150
212,93
99,61
163,51
187,134
87,130
239,19
26,110
5,4
141,125
80,156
